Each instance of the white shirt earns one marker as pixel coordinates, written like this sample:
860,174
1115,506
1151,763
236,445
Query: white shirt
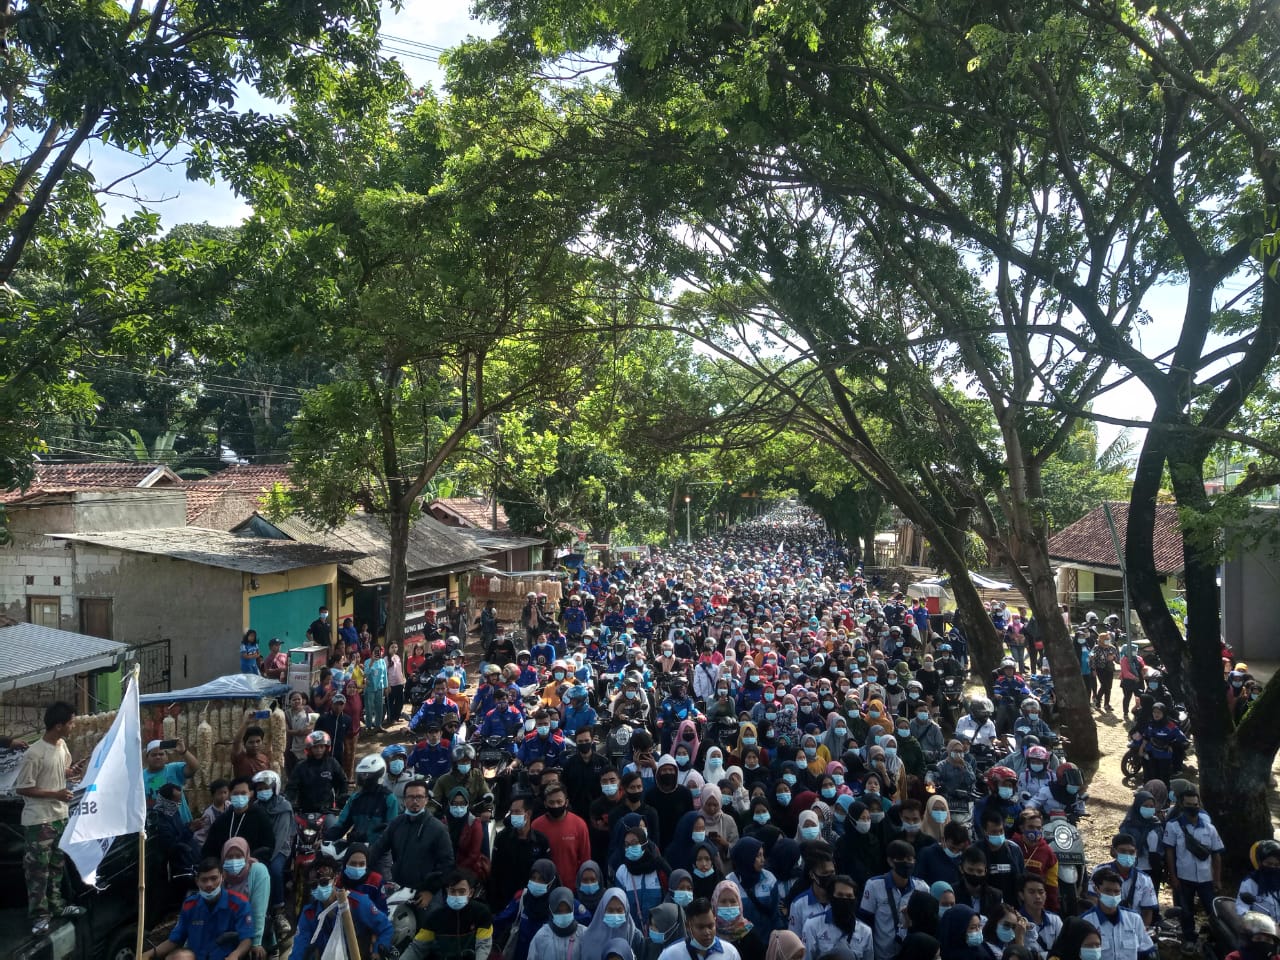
984,734
1124,939
883,902
1267,903
1042,935
720,950
1186,864
803,908
821,937
1137,892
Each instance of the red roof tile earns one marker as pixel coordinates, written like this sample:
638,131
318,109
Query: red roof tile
1088,540
251,478
473,512
66,477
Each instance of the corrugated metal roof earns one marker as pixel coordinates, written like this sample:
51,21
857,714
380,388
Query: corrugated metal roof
217,548
35,654
434,548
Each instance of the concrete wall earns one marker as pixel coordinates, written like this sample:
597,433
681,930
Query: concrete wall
325,575
48,563
102,511
197,608
1250,584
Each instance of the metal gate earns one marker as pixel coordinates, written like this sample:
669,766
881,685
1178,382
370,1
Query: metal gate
155,666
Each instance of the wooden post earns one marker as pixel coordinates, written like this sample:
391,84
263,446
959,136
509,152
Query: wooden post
349,927
142,891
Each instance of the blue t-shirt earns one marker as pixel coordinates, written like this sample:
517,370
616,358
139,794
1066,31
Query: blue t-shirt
175,772
249,654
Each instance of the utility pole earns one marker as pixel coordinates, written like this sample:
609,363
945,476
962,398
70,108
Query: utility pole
688,538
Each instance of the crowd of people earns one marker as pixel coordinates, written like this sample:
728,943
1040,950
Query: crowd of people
737,749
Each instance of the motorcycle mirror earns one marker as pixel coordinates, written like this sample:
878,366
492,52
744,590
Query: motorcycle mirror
1248,898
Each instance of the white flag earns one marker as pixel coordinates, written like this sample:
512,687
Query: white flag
113,801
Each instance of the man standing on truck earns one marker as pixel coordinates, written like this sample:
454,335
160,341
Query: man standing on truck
42,784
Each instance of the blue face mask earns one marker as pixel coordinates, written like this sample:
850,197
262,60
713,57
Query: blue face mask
322,891
973,938
809,833
543,731
1148,813
609,789
996,840
703,874
265,795
1090,953
728,914
355,873
518,820
890,752
234,866
615,920
239,801
537,888
456,902
1005,792
562,920
464,768
810,752
682,897
1005,933
216,892
784,799
635,851
828,793
838,779
1072,789
457,812
938,816
789,778
656,936
697,836
748,741
1109,900
761,817
588,888
1126,860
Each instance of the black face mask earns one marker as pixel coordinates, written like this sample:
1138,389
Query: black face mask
555,813
585,748
974,881
826,883
667,780
844,912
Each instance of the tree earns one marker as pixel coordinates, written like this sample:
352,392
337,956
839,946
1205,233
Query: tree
1139,134
436,268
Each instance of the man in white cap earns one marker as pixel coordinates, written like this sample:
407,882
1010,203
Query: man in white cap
158,771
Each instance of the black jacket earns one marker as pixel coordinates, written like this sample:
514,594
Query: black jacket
254,825
317,786
419,847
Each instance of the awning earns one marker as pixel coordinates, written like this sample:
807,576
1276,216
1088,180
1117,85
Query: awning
237,686
35,654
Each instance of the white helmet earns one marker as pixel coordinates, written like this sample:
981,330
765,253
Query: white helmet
371,767
1255,923
267,778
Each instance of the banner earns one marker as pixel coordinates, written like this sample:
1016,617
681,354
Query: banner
111,801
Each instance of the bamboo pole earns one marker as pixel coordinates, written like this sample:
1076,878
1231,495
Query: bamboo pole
142,892
349,927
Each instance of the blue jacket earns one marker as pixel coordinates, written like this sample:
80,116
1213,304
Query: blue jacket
505,723
369,920
433,709
429,761
200,923
549,749
577,719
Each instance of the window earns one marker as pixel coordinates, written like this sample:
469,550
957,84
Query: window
95,617
44,611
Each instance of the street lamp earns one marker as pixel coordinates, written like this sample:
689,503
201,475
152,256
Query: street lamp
687,537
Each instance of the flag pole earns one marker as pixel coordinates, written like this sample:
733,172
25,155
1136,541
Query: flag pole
142,861
349,927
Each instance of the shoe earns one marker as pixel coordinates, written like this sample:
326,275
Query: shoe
1108,709
71,910
41,927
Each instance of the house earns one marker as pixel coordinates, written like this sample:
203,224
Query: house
485,522
230,497
436,555
1088,569
124,565
61,477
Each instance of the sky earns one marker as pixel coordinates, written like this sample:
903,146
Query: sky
444,23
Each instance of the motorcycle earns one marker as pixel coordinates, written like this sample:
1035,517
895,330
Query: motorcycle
1067,843
494,757
306,846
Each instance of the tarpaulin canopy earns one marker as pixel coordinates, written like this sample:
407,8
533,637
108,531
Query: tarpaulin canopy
237,686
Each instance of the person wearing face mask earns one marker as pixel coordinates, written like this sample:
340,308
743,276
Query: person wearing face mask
244,875
926,732
462,928
359,876
368,811
1260,890
1037,856
542,743
1005,928
1261,939
953,777
1136,891
960,934
1143,823
666,921
242,819
284,827
567,833
1124,936
1193,859
836,928
668,798
320,917
611,922
581,771
941,861
515,849
861,850
884,896
910,753
1002,798
1004,858
561,939
529,911
642,873
814,901
418,843
974,891
757,887
206,916
910,823
1078,940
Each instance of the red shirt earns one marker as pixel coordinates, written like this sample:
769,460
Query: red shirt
570,843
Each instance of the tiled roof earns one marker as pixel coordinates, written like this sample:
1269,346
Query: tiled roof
217,548
253,478
473,512
65,477
217,506
1088,540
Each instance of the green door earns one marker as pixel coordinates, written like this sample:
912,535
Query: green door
286,615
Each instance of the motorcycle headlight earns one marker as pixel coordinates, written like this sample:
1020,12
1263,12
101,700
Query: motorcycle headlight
1062,836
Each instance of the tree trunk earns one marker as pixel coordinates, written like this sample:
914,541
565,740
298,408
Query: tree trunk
398,524
985,645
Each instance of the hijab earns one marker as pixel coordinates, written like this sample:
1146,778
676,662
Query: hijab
590,900
952,928
705,886
556,897
619,948
808,818
784,945
713,773
239,882
931,827
593,942
667,919
748,729
538,909
918,946
922,908
743,857
679,852
687,734
738,927
1067,946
